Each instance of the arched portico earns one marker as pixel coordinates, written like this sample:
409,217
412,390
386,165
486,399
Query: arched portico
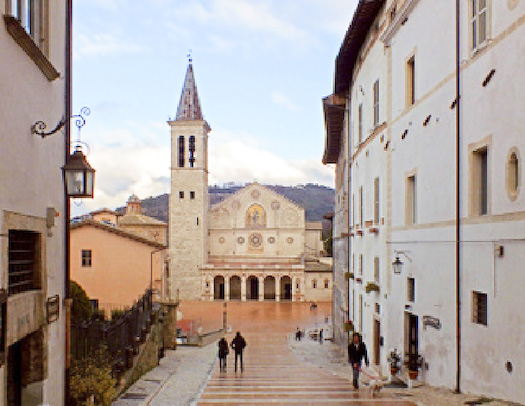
235,288
252,288
269,288
218,288
286,288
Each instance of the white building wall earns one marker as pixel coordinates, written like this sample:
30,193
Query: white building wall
31,180
369,161
490,114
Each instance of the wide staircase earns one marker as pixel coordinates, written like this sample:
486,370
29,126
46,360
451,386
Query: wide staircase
274,375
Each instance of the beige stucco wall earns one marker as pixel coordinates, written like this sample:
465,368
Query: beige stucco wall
279,232
105,216
320,292
157,233
120,271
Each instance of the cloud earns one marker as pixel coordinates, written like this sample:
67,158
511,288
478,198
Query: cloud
144,169
101,44
283,101
239,158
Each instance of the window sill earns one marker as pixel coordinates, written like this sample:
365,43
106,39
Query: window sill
25,41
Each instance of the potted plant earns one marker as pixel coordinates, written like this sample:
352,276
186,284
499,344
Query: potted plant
414,363
349,326
371,287
395,362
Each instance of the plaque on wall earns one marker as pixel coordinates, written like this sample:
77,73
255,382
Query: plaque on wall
52,309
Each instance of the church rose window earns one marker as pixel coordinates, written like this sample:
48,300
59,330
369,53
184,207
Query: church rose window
256,240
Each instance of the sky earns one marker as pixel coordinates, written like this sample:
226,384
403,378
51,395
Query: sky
262,68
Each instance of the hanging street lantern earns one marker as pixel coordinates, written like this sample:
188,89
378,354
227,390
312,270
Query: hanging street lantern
79,176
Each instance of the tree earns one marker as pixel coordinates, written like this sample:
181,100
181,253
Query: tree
81,309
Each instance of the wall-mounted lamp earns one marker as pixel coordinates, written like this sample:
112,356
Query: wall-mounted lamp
78,173
397,265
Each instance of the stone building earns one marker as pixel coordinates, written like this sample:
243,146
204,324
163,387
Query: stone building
435,158
128,251
33,207
254,245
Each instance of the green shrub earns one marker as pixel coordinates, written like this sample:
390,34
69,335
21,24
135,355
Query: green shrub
81,309
92,377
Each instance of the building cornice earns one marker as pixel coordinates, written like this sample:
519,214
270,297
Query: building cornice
399,19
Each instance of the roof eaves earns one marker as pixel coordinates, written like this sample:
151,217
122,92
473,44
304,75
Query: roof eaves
364,16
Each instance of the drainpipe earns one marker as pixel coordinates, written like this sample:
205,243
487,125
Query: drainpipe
67,114
458,201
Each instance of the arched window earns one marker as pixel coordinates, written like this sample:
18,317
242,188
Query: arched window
513,175
181,151
192,150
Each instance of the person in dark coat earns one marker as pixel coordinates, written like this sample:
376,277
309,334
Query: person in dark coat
321,336
238,344
223,353
356,353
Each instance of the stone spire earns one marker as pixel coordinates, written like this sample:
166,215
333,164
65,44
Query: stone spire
189,106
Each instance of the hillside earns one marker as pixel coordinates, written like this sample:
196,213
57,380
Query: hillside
317,200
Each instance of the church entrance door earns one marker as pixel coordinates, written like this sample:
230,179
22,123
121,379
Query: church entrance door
286,288
218,288
252,288
235,288
269,288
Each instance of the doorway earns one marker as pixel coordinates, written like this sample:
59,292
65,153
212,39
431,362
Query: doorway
269,288
377,341
235,288
286,288
218,288
411,336
252,288
14,375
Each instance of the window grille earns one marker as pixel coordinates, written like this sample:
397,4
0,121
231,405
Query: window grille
480,308
23,272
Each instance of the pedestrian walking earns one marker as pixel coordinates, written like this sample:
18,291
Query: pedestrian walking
356,353
238,344
321,336
297,334
223,353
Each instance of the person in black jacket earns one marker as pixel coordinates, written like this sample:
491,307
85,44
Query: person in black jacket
238,344
356,353
223,353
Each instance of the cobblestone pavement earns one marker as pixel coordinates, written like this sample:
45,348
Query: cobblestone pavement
177,381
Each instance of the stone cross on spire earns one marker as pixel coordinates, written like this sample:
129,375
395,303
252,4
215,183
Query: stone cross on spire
189,106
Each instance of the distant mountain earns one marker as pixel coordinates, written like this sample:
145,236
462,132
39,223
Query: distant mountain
317,200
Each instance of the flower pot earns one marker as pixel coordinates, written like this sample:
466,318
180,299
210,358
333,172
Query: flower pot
412,375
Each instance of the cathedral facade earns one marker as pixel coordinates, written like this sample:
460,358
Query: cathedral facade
253,245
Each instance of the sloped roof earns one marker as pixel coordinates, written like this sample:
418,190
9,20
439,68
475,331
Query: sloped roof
364,15
139,219
189,105
117,231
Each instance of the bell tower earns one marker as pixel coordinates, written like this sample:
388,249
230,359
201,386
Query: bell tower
188,242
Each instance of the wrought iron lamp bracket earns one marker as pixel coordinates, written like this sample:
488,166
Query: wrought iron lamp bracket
39,128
